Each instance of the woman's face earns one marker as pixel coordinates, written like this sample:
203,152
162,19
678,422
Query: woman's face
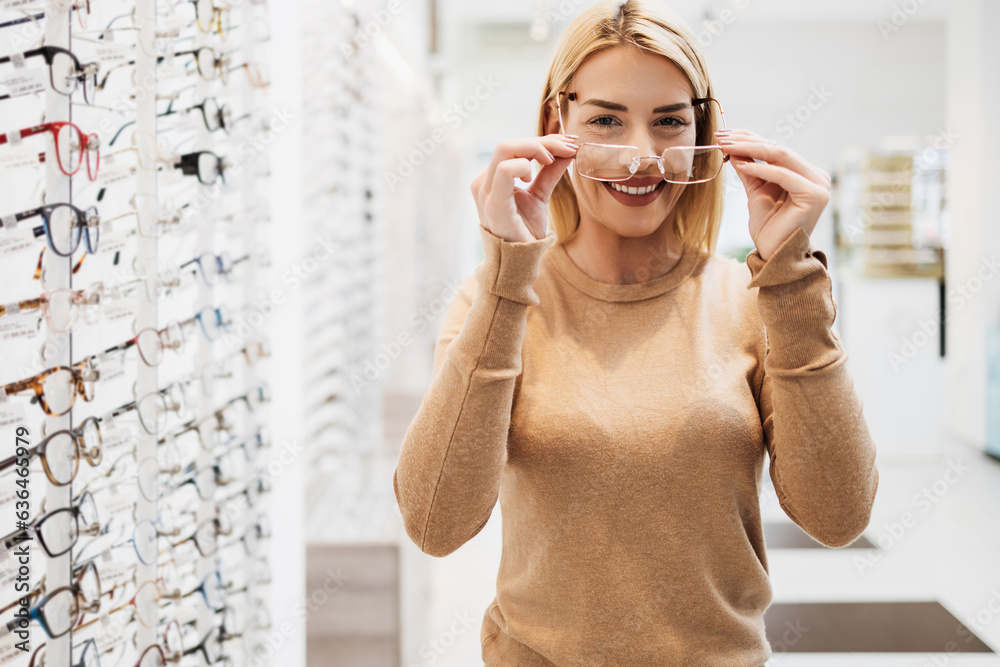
621,93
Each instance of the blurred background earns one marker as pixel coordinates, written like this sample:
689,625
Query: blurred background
382,112
892,98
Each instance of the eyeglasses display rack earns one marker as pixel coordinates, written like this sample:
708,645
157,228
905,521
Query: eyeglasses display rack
134,422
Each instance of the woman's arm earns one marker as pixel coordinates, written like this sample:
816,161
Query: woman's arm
447,478
822,455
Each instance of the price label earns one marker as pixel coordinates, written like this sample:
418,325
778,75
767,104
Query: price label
117,438
119,309
8,646
110,571
169,177
16,4
111,368
19,326
16,242
25,81
112,242
113,54
116,504
18,158
113,173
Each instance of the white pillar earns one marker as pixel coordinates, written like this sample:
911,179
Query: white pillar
973,112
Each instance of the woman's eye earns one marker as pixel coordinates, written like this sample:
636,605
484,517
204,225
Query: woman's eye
599,121
673,122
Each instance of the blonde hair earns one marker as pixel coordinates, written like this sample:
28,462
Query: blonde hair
655,29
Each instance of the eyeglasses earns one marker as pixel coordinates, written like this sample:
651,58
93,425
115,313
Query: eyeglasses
145,600
64,225
212,591
66,73
211,266
59,611
205,537
152,343
59,530
60,452
71,146
257,74
87,655
152,408
215,116
56,388
210,64
61,307
206,165
601,160
209,15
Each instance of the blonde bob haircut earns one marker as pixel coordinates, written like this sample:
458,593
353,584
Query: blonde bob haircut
655,29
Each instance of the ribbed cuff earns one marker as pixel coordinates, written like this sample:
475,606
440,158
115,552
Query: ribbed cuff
795,302
509,268
795,258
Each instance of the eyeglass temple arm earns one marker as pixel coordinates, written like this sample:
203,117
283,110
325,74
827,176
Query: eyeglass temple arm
702,100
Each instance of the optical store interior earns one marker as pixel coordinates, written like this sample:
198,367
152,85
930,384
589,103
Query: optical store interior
232,231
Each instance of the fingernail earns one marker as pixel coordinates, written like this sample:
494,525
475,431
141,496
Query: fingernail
573,136
724,142
573,146
551,156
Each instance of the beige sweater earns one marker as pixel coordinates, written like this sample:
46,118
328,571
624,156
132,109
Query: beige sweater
623,428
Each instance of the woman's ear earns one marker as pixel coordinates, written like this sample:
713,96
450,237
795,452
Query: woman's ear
551,118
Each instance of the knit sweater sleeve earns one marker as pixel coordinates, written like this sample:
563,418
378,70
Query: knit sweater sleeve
822,455
447,477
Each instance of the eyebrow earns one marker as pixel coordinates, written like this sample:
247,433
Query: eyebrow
614,106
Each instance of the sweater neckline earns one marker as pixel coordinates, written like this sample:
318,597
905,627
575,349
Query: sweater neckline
658,286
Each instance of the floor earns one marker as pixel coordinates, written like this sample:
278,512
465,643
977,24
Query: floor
927,595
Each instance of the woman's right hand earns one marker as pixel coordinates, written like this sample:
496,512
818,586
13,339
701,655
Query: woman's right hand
521,214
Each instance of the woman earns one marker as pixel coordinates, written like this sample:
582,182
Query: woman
615,384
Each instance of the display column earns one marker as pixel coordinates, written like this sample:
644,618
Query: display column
146,256
57,348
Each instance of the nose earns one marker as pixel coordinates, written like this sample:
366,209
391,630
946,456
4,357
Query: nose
641,139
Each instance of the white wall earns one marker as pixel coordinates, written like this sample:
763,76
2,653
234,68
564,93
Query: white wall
973,98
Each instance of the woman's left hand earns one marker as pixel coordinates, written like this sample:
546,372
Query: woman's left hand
785,193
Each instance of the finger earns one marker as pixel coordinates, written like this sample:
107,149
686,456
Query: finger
503,179
795,184
753,145
749,181
477,193
548,176
537,148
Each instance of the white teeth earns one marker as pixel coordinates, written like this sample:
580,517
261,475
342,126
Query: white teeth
634,191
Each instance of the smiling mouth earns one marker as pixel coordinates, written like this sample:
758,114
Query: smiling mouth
636,186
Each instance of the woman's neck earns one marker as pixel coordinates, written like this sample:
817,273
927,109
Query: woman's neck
619,260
